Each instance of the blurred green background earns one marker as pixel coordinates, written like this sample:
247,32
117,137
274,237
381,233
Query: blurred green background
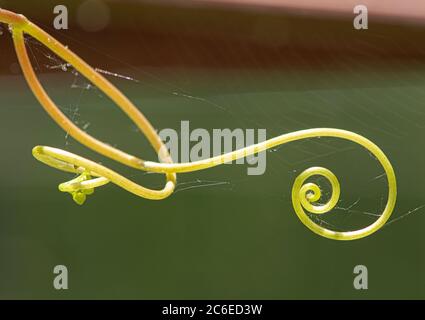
240,239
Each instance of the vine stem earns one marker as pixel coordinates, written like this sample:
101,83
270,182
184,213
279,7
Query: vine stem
92,174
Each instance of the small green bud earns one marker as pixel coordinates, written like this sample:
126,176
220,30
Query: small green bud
79,197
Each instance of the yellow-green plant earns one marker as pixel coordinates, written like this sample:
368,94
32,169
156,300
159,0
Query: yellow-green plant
92,174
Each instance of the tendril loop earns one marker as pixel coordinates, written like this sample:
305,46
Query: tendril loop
307,194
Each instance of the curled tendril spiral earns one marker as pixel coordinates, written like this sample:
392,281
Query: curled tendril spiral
93,175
